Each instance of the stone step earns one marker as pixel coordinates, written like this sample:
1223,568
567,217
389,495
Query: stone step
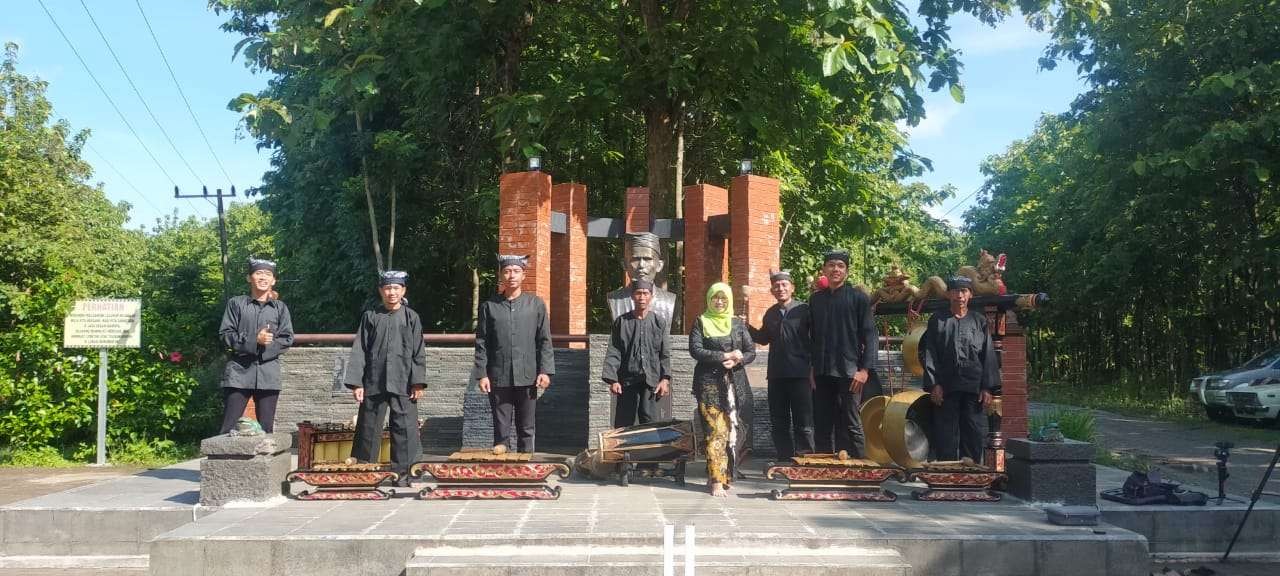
647,560
104,564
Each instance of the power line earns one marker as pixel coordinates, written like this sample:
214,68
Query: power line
107,95
178,85
137,92
961,201
123,177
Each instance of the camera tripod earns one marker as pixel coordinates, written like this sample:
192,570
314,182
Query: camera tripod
1257,493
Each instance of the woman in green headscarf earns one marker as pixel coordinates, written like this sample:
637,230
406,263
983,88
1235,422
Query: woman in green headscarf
721,345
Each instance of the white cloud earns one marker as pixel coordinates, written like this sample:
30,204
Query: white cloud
936,118
1011,35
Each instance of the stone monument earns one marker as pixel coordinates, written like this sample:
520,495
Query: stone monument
642,255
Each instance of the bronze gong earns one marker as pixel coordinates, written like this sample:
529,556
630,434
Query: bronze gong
905,428
872,415
911,350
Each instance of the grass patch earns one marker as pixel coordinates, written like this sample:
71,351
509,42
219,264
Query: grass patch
1130,400
136,453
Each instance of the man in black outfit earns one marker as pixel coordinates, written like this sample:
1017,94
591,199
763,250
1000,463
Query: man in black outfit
960,371
257,329
514,358
387,369
786,330
844,351
637,365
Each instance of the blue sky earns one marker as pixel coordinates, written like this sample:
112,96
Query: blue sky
200,54
1005,94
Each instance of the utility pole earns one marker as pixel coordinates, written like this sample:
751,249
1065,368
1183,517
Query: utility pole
222,227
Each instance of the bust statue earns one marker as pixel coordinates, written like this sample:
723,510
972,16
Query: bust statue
642,256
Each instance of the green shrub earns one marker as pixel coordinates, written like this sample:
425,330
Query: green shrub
1075,424
40,457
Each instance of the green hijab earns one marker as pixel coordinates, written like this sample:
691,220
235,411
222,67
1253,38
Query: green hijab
716,324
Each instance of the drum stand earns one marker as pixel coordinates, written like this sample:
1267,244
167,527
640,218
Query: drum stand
479,475
628,467
828,477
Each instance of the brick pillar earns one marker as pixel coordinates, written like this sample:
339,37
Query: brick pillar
753,242
636,212
524,226
704,254
1013,379
569,262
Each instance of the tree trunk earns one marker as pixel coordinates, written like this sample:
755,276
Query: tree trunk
368,197
662,149
475,297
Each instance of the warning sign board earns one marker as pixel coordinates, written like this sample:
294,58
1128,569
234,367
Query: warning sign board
104,324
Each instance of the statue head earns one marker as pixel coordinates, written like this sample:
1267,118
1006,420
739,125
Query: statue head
643,253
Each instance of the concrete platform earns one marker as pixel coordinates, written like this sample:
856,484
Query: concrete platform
617,530
117,517
144,524
1175,531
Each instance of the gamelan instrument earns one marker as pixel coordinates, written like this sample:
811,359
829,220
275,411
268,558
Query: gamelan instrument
834,477
657,444
897,428
479,474
326,470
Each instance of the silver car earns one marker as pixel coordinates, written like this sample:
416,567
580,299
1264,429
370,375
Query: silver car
1211,390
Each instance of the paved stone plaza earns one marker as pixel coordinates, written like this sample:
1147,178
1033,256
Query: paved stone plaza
152,519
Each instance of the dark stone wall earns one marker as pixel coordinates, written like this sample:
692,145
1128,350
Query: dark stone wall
571,413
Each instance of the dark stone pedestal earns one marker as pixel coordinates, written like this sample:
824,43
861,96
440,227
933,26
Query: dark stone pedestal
1052,471
249,468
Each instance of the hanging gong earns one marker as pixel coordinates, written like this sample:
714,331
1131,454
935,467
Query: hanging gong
905,428
911,353
872,415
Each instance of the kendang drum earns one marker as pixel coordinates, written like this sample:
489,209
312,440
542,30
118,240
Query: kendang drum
654,444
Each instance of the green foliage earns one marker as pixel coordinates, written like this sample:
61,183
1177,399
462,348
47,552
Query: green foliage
1075,423
421,105
62,240
1149,212
41,457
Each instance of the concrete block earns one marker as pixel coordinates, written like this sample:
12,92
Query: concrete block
106,548
1128,558
1071,557
999,557
186,557
243,558
41,525
228,446
100,525
257,479
1063,482
1024,449
936,557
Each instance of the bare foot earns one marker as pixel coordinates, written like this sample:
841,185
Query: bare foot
499,449
717,490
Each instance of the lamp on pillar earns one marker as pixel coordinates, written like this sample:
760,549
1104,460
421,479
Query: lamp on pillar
535,163
744,166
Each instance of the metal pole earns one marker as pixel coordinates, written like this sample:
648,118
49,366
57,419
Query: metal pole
1257,493
102,407
689,562
222,236
668,550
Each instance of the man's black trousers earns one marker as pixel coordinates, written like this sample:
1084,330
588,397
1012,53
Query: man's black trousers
636,402
513,415
959,427
836,417
791,416
234,401
406,446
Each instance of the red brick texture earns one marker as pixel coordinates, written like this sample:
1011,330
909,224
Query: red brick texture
704,255
1013,379
569,261
753,242
524,226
